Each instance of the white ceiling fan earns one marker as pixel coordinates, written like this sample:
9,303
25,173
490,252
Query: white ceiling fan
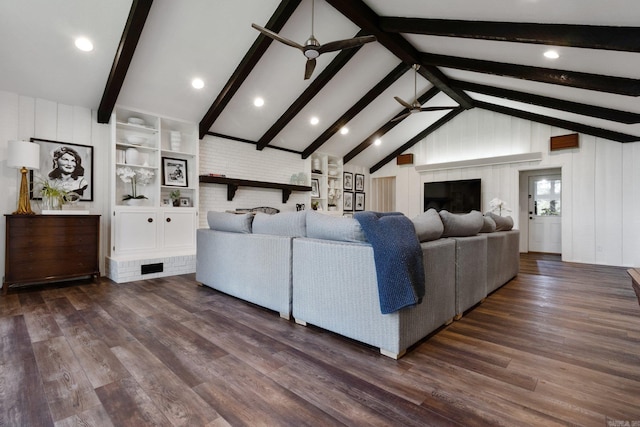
415,106
312,47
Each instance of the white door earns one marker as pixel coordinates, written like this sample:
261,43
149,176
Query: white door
545,210
135,231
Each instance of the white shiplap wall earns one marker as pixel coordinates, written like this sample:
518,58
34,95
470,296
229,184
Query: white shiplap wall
24,117
242,160
601,180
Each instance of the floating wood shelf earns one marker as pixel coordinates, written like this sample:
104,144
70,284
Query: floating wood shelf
233,184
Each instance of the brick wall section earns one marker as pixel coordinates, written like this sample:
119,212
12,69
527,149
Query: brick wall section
241,160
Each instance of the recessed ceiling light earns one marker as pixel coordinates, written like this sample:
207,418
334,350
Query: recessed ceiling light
258,102
314,120
84,44
551,54
344,130
197,83
378,141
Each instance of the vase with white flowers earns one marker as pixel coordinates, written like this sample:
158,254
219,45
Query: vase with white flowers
498,206
134,177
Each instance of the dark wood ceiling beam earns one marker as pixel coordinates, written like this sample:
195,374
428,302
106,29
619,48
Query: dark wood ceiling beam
584,36
388,126
258,48
545,101
248,141
365,18
564,124
130,35
419,137
310,92
609,84
372,94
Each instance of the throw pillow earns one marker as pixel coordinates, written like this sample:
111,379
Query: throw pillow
461,225
489,225
428,225
225,221
503,223
327,227
291,224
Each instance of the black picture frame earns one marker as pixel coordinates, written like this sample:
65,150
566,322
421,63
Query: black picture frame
81,180
315,187
174,172
347,201
347,181
359,182
359,202
185,202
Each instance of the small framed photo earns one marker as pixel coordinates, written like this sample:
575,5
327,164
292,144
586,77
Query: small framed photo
359,182
185,202
359,206
347,205
63,165
347,178
315,187
174,172
166,202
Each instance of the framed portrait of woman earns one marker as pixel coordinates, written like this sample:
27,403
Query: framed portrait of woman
63,165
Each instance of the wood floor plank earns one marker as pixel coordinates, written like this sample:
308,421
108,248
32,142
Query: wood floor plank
23,401
128,405
175,400
94,417
68,390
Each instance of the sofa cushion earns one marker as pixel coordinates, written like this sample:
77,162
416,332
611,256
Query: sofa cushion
327,227
225,221
489,225
461,225
291,224
503,223
428,225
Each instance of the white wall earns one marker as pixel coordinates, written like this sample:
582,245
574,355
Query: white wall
239,160
601,180
22,118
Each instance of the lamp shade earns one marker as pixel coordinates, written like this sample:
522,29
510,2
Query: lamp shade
23,154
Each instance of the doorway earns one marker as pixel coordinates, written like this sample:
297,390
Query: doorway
541,211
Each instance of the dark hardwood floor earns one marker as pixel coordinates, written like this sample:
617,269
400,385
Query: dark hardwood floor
558,345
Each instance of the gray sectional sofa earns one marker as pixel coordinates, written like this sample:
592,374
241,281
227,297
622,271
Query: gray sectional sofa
321,270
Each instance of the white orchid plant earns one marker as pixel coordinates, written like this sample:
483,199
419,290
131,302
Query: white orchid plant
497,206
135,177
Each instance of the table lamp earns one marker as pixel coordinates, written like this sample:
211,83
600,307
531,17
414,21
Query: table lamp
23,155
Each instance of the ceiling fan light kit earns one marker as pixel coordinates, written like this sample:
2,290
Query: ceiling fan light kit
312,47
415,106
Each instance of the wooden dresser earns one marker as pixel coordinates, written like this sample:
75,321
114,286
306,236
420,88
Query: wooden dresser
49,248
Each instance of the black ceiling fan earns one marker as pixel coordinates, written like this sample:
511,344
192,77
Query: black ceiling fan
312,47
415,106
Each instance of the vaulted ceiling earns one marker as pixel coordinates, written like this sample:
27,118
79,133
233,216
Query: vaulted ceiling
484,54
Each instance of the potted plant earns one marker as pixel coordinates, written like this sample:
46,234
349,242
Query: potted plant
135,177
53,196
175,197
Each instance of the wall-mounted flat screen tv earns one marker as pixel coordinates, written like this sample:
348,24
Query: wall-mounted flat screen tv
454,196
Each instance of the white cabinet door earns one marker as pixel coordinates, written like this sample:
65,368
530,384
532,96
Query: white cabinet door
179,229
135,231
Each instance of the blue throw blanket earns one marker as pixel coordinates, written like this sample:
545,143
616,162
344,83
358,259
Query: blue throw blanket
398,258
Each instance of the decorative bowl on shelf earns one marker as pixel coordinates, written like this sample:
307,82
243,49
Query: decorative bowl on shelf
136,121
136,140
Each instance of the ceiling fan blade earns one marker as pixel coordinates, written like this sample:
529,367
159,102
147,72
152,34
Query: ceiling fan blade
346,44
401,116
308,69
403,103
436,108
277,37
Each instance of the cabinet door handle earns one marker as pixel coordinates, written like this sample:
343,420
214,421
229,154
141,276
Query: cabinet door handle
149,219
168,219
